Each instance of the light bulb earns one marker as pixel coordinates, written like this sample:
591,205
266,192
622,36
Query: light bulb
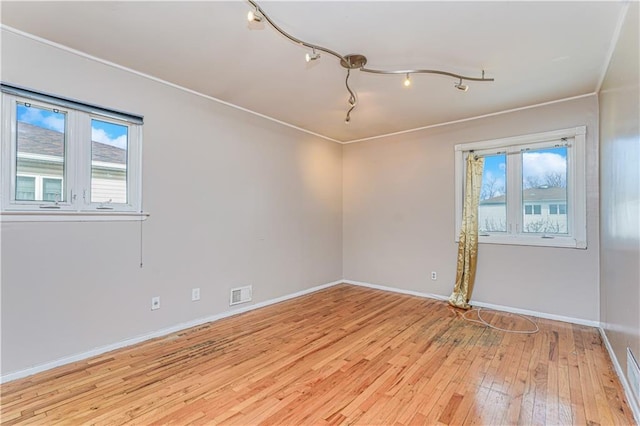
311,56
407,81
253,16
462,87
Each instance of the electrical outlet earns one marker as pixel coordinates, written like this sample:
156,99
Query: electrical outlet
434,275
195,294
155,303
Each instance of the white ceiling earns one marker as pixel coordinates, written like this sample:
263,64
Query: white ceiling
536,51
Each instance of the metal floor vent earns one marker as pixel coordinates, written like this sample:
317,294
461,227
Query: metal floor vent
633,374
240,295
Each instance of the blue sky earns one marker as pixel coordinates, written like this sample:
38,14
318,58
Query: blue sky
109,133
535,163
101,131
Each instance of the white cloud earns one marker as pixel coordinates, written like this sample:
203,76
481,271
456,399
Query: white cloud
541,164
36,117
493,185
54,123
99,135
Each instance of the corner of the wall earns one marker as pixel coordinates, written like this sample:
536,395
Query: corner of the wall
631,401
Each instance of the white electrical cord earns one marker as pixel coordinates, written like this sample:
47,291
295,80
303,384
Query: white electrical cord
482,321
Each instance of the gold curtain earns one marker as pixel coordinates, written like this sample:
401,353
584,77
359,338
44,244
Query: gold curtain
468,242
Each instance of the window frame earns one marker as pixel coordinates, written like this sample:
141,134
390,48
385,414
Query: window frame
575,138
76,179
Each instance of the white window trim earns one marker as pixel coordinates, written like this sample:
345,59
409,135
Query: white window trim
77,176
576,188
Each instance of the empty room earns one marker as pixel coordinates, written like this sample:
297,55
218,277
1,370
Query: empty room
320,212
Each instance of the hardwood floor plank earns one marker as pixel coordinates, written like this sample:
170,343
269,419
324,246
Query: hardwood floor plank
343,355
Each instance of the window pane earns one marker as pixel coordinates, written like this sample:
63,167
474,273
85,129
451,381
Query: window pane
25,188
108,162
492,211
51,189
40,148
544,187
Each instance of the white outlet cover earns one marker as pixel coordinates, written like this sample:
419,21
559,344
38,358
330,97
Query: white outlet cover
155,303
195,294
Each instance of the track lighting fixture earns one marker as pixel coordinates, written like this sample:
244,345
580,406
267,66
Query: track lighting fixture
254,16
461,86
355,61
312,56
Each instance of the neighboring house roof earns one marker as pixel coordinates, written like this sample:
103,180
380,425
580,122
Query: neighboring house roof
38,140
533,194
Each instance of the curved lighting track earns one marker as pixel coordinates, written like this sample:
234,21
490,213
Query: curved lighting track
353,99
292,38
356,61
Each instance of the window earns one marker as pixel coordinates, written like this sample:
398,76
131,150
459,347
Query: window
557,209
51,189
38,188
533,189
25,188
108,165
65,158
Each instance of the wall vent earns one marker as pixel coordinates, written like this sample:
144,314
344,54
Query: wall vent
633,374
240,295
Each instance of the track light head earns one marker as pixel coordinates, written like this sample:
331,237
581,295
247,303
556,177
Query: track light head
254,16
407,81
461,86
312,56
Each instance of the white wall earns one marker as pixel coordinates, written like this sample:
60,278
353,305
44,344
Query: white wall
399,217
234,200
620,193
268,205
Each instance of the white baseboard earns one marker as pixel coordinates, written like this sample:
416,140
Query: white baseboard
482,304
182,326
159,333
571,320
631,400
396,290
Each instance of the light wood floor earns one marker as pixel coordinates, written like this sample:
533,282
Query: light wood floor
341,355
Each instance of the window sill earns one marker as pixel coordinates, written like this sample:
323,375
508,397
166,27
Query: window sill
72,216
534,241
